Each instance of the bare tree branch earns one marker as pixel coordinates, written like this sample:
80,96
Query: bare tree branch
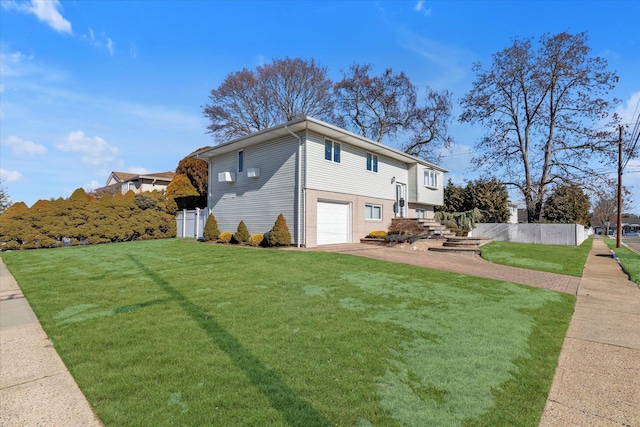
540,106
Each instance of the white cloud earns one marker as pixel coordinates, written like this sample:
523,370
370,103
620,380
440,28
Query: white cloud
24,148
419,7
92,186
630,110
10,176
139,171
110,45
449,63
100,41
133,51
94,151
46,11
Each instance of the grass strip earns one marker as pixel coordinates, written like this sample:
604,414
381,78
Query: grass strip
629,259
561,259
178,332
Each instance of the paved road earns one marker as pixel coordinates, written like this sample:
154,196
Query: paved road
633,242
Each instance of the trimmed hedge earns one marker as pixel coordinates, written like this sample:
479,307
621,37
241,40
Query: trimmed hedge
83,219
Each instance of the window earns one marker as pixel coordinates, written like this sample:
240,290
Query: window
420,213
372,212
128,186
372,162
431,178
332,151
240,161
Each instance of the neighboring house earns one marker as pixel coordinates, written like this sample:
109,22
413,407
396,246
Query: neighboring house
331,185
121,182
513,212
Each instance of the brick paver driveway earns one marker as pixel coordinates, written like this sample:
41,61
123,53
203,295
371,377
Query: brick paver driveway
472,265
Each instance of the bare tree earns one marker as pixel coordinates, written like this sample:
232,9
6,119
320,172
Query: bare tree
252,100
541,106
384,106
605,208
5,200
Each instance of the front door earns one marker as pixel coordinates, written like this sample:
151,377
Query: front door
401,200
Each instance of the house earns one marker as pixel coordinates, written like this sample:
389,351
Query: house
331,185
513,212
121,182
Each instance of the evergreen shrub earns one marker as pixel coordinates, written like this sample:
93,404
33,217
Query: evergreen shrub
211,230
377,234
225,237
279,234
256,239
242,234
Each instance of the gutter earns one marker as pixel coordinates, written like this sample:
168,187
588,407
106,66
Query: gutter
299,179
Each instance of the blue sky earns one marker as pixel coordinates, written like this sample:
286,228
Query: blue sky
90,87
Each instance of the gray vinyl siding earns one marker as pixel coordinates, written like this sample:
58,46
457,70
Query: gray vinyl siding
350,176
419,193
257,201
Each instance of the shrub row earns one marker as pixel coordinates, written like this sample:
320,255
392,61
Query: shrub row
83,219
278,235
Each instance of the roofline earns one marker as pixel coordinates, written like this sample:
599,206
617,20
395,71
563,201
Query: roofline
303,123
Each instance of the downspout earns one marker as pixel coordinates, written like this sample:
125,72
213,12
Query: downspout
299,179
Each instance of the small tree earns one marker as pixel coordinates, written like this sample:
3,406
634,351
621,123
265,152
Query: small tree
211,230
197,170
279,234
242,235
567,204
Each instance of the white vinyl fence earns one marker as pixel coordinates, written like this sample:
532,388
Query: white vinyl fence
191,223
548,234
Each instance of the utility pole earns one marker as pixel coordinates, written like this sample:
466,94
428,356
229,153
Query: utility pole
619,226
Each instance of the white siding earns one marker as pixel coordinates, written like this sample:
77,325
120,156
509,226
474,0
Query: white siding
350,176
257,201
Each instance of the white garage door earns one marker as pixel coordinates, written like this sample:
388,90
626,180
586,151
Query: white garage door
333,223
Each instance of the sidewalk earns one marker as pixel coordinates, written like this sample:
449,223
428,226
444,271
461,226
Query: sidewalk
597,382
36,389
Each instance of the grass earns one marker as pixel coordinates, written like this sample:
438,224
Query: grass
628,258
174,332
561,259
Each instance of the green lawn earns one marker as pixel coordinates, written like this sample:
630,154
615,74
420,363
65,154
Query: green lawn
628,258
174,332
561,259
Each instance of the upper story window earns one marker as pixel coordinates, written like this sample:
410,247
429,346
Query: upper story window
431,178
332,151
372,162
240,161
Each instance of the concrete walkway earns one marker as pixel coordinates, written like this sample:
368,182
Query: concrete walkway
597,382
36,389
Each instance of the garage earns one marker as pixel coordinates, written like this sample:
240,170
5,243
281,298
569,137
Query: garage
333,223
